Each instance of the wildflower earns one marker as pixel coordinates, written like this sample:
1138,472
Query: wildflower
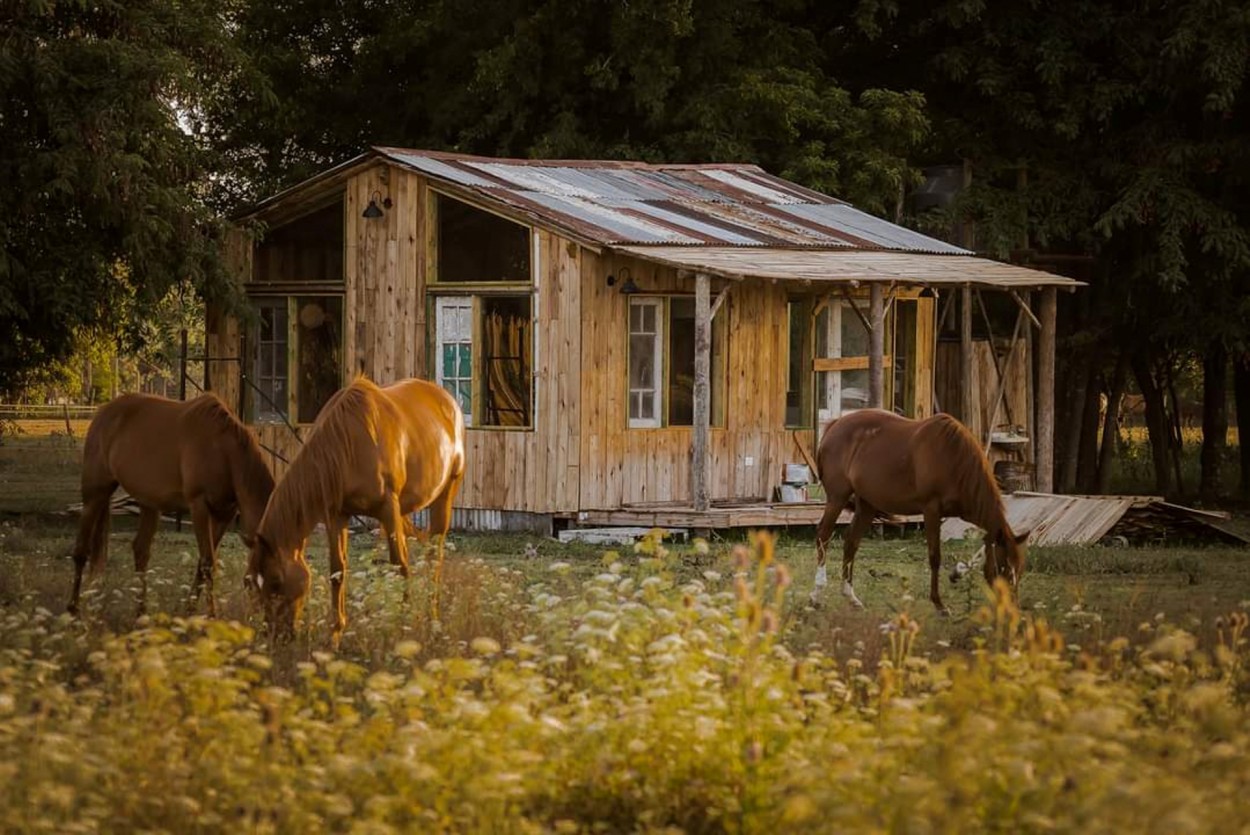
407,649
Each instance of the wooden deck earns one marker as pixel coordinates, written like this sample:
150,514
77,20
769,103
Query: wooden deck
722,516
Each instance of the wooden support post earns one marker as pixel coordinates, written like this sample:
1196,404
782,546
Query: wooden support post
876,347
1045,450
702,405
968,398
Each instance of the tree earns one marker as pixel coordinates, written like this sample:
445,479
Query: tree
1111,130
102,186
655,80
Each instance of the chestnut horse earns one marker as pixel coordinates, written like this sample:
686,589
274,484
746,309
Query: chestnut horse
380,452
169,455
891,464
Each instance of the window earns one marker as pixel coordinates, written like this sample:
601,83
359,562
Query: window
799,365
905,317
645,353
297,361
270,373
840,334
455,351
661,363
494,384
475,246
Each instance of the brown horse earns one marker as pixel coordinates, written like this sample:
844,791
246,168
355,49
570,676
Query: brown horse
169,455
891,464
380,452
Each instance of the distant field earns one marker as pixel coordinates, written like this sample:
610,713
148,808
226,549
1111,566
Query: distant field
39,466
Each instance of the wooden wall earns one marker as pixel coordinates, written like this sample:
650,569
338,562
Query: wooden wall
384,307
539,470
1016,398
580,453
622,466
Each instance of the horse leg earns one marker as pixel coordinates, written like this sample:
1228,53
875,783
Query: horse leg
142,547
336,538
933,533
859,526
92,540
206,538
834,506
393,523
440,522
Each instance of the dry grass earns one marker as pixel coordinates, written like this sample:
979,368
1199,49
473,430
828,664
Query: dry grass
691,690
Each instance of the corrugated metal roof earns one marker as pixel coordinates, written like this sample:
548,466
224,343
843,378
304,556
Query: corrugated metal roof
846,265
618,203
1054,519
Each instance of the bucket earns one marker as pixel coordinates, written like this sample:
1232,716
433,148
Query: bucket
1013,476
797,474
791,494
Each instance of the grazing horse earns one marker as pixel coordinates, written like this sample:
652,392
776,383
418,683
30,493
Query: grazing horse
169,455
380,452
891,464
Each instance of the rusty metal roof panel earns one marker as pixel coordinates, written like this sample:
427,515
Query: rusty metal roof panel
886,235
442,170
633,203
617,226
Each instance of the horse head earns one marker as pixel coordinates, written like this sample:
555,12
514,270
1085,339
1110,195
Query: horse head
1004,556
281,580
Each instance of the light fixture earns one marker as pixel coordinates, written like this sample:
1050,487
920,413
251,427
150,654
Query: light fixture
628,287
928,293
372,210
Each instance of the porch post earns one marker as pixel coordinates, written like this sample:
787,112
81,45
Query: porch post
1044,460
968,397
702,372
876,348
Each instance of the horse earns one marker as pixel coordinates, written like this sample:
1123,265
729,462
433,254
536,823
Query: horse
169,455
379,452
892,464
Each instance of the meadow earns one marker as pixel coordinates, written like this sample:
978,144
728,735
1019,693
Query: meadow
667,687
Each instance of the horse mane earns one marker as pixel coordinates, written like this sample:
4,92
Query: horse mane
211,409
313,487
967,467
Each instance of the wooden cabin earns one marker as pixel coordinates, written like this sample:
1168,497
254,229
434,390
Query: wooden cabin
630,343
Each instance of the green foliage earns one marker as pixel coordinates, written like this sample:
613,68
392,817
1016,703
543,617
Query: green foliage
730,80
102,210
636,702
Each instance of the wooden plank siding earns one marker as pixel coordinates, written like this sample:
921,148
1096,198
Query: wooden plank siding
623,466
579,454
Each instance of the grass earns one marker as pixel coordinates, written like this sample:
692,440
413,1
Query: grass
647,690
1098,592
692,688
40,466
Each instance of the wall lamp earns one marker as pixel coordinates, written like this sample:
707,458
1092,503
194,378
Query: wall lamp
372,210
628,287
928,293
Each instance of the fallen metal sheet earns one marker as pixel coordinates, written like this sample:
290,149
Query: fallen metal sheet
1084,520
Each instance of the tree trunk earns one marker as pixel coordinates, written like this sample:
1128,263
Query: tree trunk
1214,417
1111,422
1087,451
1156,422
1074,411
1177,435
1241,397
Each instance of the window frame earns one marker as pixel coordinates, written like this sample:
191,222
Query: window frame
432,245
259,298
659,371
435,301
718,378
